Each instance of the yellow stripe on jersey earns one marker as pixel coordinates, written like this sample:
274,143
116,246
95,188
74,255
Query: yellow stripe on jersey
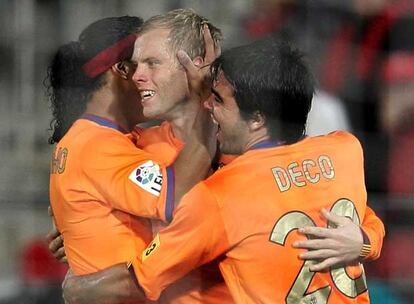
151,248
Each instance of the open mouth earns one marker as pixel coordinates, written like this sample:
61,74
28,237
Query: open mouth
146,94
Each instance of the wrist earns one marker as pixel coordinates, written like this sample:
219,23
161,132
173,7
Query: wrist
366,246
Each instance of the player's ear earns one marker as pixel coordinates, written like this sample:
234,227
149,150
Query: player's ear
257,121
122,69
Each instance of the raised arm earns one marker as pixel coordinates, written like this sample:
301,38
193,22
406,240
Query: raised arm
200,136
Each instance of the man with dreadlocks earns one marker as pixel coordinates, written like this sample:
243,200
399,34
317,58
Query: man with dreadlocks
102,187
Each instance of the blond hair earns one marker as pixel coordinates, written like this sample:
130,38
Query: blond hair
186,30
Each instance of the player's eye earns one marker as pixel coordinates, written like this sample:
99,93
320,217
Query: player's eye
216,96
153,62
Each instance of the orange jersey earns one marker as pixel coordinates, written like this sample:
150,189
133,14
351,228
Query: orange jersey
96,234
202,285
248,212
160,141
102,187
375,231
371,224
205,284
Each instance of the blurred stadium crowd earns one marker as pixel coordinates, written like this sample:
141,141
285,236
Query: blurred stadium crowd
361,52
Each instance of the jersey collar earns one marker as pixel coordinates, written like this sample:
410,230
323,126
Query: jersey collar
266,144
271,144
105,122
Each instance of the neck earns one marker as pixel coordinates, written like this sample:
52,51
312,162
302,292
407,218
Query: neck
257,138
183,120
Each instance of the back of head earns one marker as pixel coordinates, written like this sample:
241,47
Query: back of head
186,30
270,77
78,67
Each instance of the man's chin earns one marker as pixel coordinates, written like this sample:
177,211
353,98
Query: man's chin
149,113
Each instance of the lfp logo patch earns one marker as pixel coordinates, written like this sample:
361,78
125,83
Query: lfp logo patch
148,176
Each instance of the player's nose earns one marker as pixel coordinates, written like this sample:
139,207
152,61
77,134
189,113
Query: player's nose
140,74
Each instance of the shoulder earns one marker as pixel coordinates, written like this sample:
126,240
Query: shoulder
337,137
199,202
200,192
96,143
226,183
157,130
345,138
87,133
158,134
204,193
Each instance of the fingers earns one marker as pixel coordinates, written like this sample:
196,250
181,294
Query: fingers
186,62
324,265
56,244
56,248
315,244
63,259
210,54
52,234
317,254
335,219
60,255
198,79
192,71
50,211
55,240
316,232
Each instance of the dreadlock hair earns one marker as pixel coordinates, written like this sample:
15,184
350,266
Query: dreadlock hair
68,87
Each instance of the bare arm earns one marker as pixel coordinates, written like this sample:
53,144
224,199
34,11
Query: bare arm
341,245
194,162
113,285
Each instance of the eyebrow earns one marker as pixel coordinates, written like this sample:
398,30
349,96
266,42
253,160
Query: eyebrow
150,58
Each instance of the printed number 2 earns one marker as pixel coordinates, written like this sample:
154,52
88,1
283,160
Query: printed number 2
346,285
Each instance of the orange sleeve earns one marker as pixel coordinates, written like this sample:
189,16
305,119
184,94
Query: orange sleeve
373,227
195,236
128,178
160,141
